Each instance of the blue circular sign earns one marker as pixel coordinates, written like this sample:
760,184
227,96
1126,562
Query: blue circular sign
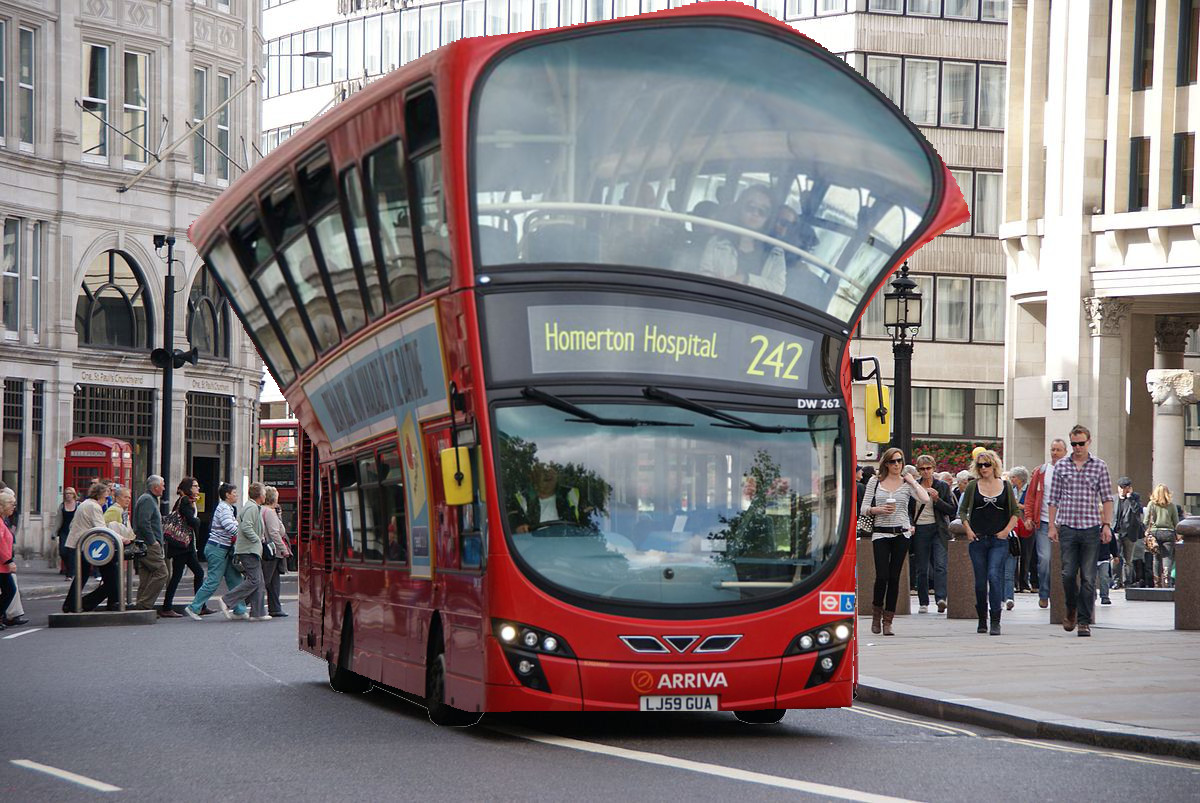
97,549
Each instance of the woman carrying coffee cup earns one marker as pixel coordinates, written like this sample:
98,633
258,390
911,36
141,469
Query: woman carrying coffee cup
886,499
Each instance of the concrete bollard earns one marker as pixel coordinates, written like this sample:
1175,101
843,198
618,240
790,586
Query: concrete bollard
1187,575
866,581
1058,605
960,577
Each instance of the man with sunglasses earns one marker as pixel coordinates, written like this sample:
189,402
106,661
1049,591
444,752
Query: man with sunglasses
1037,515
1081,515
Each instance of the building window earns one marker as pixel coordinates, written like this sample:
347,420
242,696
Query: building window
986,213
962,9
13,442
921,91
884,73
925,8
1192,347
111,310
994,10
951,321
25,79
987,311
223,128
988,415
3,77
939,411
1189,30
966,183
35,278
1139,173
831,6
1143,45
199,110
94,134
10,277
38,426
958,95
886,6
118,412
991,95
1184,172
1191,424
208,317
137,106
1191,503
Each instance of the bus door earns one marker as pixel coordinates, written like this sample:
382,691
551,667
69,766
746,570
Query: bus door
458,588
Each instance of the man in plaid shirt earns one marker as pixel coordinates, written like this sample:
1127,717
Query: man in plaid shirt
1081,509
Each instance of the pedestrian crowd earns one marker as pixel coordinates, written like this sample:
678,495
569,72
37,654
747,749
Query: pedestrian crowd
247,548
1010,519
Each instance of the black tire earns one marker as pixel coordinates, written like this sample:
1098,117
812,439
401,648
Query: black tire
341,678
763,716
435,694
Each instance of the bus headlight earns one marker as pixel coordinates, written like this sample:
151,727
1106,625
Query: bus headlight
526,638
530,638
507,633
841,632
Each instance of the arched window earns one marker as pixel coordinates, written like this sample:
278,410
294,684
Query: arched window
208,317
111,310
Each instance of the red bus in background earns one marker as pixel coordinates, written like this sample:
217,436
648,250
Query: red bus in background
578,391
279,465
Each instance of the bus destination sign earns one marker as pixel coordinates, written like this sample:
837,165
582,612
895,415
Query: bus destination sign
577,338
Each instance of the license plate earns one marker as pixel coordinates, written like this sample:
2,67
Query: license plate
679,702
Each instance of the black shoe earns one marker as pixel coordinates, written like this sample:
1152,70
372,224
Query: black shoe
276,614
16,621
983,626
995,630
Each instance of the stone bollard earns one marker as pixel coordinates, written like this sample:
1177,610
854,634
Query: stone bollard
960,577
866,581
1058,605
1187,575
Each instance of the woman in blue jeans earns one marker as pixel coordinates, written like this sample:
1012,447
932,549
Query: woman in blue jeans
218,553
989,512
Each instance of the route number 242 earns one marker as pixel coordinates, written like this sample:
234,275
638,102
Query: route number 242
781,359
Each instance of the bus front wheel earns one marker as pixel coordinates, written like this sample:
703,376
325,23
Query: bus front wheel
764,716
341,678
441,713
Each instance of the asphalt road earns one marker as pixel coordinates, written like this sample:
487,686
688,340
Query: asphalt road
214,710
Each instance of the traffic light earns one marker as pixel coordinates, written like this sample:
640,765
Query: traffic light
159,357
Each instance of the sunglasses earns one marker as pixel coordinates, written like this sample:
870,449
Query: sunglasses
984,465
1079,443
761,211
895,460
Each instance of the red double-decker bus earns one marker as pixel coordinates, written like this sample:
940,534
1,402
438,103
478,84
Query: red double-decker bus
279,466
565,315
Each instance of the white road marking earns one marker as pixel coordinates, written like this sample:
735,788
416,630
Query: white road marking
1062,748
729,773
890,717
82,780
23,633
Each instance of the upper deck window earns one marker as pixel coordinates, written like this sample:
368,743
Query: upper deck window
714,151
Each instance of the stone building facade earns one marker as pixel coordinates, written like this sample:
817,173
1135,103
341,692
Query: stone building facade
1100,234
92,94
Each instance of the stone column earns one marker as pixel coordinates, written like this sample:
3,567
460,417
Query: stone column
1103,411
1170,387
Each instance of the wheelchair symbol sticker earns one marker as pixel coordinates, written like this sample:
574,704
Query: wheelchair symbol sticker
833,603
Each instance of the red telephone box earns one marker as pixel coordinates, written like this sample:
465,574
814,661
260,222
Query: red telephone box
89,459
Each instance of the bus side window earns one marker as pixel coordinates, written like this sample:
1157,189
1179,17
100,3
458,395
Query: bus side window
470,520
389,215
392,513
348,512
373,531
424,139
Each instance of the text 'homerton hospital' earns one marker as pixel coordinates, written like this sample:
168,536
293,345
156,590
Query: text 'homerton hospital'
618,341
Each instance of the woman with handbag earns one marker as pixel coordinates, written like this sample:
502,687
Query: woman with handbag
1162,518
275,550
886,501
182,523
989,512
66,512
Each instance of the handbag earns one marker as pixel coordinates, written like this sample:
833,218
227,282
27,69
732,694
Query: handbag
176,529
866,521
268,551
1014,545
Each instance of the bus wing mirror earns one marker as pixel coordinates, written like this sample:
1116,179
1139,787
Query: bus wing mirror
875,408
457,483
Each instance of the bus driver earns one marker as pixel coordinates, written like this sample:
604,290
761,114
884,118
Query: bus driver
546,503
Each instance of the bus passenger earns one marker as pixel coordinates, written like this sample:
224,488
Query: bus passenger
547,503
747,260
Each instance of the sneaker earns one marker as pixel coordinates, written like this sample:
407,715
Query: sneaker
170,614
191,614
923,609
221,606
244,615
1085,630
266,617
1008,604
941,603
1043,603
1106,601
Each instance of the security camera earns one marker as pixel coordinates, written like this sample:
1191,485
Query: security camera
159,241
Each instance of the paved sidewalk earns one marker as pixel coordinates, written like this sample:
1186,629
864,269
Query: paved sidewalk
1133,684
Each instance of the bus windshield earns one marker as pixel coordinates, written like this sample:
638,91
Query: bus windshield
633,503
719,152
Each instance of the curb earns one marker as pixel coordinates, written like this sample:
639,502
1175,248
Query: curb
1027,722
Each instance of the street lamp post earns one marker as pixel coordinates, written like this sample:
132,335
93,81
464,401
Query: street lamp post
902,317
168,358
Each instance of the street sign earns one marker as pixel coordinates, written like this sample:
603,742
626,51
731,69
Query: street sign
1060,395
98,549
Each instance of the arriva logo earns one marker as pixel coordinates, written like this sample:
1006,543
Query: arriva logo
692,680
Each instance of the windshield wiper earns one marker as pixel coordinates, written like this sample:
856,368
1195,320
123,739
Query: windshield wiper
582,415
658,394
